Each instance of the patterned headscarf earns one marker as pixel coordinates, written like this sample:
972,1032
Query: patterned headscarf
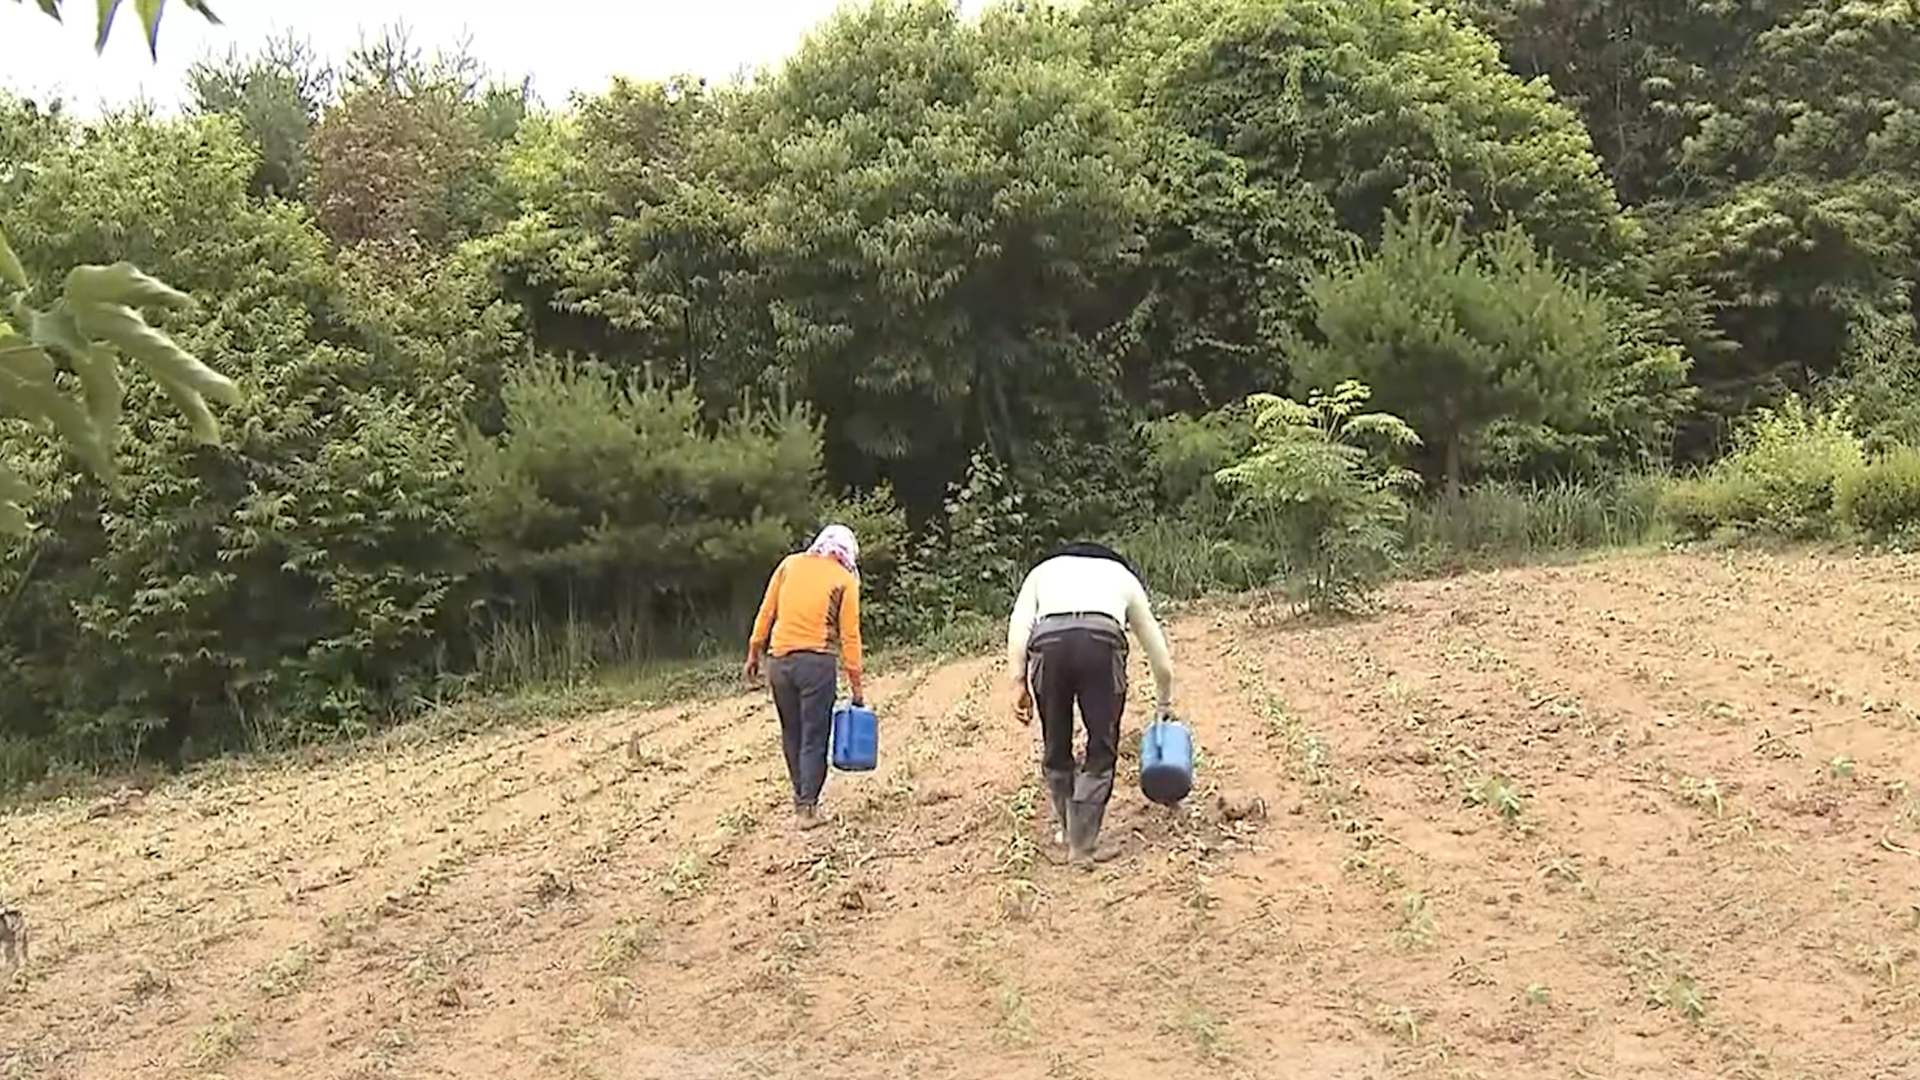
836,542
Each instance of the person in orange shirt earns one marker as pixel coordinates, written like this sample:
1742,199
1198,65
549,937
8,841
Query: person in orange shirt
810,612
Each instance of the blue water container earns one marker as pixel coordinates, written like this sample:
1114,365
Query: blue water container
855,743
1166,761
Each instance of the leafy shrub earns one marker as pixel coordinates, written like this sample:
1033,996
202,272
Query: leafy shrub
610,500
293,587
1327,474
1882,500
880,525
1185,452
1880,373
1780,478
972,561
1197,539
1709,505
1077,487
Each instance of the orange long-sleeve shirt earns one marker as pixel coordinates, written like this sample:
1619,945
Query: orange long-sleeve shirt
812,605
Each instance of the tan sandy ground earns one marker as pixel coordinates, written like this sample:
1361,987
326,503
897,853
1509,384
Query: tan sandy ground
1710,871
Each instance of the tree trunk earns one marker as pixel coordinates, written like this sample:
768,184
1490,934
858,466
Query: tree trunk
1453,529
1453,469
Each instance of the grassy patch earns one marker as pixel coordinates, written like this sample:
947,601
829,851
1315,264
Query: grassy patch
219,1040
1019,895
286,973
627,941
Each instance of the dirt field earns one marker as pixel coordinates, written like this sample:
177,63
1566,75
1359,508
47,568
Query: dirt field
1695,858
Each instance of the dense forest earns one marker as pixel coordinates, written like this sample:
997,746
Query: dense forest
528,390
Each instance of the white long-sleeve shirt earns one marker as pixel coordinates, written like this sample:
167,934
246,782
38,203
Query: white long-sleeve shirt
1071,584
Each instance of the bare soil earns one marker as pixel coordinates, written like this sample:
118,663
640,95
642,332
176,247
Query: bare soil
1643,817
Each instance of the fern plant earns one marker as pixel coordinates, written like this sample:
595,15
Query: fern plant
1330,476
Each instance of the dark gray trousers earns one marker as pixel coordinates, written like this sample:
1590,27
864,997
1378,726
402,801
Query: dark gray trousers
1078,659
803,686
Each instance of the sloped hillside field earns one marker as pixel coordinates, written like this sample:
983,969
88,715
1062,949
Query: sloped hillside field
1633,818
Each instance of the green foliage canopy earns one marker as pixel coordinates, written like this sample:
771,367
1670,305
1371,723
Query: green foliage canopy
510,391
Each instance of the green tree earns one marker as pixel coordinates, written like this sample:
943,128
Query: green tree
1456,333
606,501
1371,101
628,242
302,578
1772,148
1695,95
1221,283
277,96
940,207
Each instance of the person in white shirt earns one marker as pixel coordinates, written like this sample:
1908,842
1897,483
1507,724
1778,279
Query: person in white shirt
1067,644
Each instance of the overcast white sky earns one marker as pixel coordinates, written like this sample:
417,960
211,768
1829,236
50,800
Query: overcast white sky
565,45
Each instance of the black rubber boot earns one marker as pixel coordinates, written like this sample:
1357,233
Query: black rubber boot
1060,793
1086,814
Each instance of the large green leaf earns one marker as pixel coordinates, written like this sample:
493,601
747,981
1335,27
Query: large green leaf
92,325
124,329
101,300
99,375
150,12
121,283
27,389
11,272
100,382
104,22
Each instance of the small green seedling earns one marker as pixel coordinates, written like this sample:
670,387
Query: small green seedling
1500,793
1703,793
1682,995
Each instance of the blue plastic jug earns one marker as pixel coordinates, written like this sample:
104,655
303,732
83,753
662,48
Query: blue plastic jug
1166,761
855,743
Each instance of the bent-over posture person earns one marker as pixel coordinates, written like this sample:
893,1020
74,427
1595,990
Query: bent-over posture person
1067,644
811,612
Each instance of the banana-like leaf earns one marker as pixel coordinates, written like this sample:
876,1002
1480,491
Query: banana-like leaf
205,428
100,381
42,400
106,10
150,20
121,283
171,365
11,272
26,359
